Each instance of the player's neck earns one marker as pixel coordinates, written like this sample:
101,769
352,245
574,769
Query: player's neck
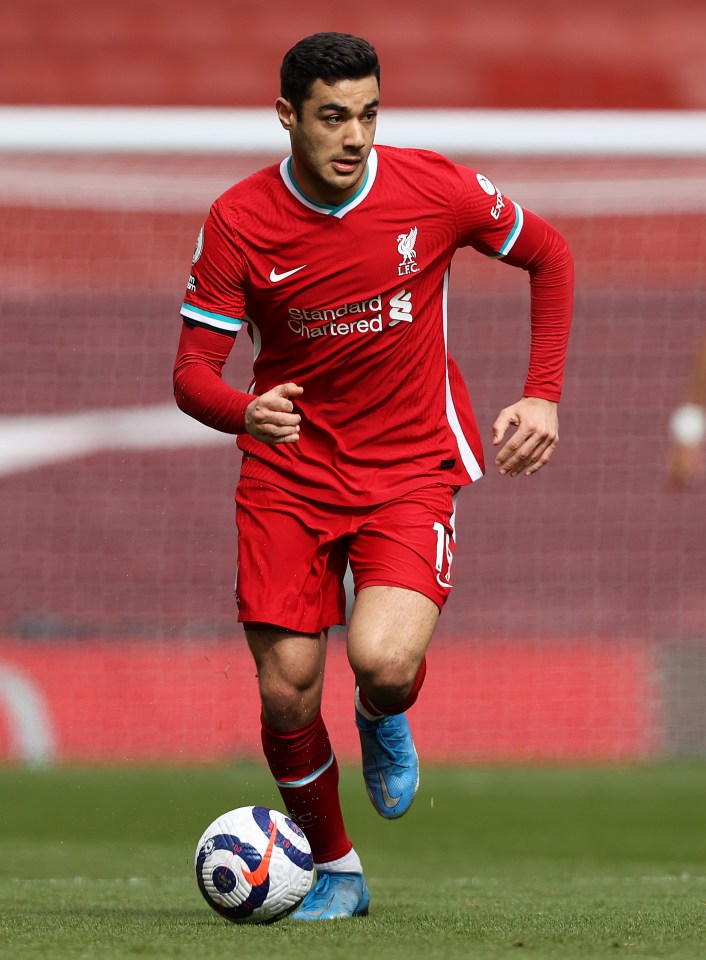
316,192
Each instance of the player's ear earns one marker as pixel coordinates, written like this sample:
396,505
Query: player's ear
285,112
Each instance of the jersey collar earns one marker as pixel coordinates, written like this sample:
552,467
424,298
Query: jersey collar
285,169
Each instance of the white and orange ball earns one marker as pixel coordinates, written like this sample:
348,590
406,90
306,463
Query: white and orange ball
253,865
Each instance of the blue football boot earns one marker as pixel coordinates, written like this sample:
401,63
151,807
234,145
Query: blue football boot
390,763
335,895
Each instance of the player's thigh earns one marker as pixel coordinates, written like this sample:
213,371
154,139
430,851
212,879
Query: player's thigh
401,559
388,635
291,560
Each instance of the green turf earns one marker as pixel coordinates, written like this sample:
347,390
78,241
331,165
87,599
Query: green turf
488,863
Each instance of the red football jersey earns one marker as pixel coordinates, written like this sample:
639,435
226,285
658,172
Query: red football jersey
350,303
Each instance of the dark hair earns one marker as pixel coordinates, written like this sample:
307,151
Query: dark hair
325,56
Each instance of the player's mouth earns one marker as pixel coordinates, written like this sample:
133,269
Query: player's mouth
346,164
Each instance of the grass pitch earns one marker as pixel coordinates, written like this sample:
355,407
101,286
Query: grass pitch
537,862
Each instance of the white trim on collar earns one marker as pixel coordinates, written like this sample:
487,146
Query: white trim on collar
327,210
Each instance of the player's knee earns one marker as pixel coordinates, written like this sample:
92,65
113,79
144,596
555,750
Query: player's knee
285,709
386,678
289,702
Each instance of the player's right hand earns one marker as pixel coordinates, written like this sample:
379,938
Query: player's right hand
270,418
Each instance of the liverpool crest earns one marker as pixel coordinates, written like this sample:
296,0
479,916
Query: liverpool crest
405,248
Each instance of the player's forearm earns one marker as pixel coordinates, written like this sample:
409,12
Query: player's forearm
199,389
543,252
205,397
552,294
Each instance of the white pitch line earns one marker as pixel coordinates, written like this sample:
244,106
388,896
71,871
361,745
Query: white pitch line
255,130
32,441
28,714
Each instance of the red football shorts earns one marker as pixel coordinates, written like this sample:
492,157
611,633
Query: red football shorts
293,552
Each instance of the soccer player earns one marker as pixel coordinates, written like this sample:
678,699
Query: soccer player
687,426
357,431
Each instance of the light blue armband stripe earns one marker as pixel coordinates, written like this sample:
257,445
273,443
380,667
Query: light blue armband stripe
213,319
304,780
513,234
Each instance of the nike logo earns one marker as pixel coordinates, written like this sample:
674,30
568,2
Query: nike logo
276,277
390,802
257,877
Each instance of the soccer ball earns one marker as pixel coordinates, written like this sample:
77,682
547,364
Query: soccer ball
253,865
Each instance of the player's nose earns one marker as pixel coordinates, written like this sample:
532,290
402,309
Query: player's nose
354,134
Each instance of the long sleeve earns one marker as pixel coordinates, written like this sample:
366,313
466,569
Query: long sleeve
542,251
199,388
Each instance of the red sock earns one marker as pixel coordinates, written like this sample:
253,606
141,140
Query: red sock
305,770
390,709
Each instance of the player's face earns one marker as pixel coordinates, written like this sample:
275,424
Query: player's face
332,138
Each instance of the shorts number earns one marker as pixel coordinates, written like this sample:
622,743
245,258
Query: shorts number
443,551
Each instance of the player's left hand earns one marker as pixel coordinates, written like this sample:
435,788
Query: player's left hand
531,446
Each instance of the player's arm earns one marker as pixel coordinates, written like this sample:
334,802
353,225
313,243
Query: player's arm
687,426
496,226
542,251
213,312
201,392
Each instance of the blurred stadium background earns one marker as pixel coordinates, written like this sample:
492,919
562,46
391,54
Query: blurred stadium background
577,627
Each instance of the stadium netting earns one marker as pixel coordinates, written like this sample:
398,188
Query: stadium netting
577,625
